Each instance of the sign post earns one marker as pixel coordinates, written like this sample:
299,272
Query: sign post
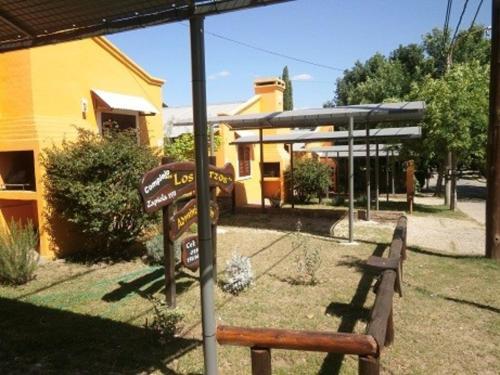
213,197
160,188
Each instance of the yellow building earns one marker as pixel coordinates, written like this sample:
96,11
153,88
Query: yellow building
45,94
268,97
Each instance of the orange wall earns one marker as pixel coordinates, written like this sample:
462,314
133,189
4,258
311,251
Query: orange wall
41,90
268,98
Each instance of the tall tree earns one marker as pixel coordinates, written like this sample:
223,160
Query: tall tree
288,93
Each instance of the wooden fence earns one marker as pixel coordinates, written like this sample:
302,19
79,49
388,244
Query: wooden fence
368,347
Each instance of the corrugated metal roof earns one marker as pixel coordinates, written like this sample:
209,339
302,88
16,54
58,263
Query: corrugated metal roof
411,132
30,23
365,113
358,147
357,154
173,116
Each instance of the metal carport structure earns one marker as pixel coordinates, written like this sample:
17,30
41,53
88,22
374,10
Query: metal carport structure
366,114
31,23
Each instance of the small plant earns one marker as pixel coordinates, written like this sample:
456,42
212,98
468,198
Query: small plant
307,261
18,257
154,250
165,324
238,274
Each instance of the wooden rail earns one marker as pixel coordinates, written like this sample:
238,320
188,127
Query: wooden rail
330,342
379,332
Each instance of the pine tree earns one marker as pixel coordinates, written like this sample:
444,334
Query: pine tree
288,93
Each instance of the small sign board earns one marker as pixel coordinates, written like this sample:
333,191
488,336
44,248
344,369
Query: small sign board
190,256
161,186
188,215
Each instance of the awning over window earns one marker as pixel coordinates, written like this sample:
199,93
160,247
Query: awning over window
114,101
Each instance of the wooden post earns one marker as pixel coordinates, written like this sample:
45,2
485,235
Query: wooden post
377,179
168,259
168,252
493,147
389,333
233,200
368,366
261,361
213,196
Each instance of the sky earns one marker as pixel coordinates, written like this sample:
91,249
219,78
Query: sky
335,33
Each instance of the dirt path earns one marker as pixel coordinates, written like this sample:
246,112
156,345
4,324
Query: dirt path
453,235
446,235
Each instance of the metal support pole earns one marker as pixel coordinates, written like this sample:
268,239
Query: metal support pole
261,165
377,179
337,170
493,148
387,174
393,171
368,173
291,175
351,179
203,193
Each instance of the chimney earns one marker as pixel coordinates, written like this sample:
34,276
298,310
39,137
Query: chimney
271,93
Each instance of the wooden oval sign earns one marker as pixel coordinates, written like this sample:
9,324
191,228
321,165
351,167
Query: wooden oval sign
161,186
190,256
188,215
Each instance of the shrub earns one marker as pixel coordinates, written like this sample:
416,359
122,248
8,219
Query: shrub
307,261
338,200
154,250
182,148
93,183
18,257
165,324
311,177
238,274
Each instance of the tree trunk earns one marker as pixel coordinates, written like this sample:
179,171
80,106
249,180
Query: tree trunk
439,184
447,185
453,186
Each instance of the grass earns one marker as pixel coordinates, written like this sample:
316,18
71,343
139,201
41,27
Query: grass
76,318
397,203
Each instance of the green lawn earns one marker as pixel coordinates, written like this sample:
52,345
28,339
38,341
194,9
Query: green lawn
75,318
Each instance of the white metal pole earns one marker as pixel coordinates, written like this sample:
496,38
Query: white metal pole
203,194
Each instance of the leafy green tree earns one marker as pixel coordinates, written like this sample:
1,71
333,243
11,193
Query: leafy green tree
288,93
311,178
92,182
457,112
182,147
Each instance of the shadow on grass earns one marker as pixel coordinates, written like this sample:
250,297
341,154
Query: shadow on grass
38,339
420,250
354,262
350,314
314,221
456,300
471,303
156,281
